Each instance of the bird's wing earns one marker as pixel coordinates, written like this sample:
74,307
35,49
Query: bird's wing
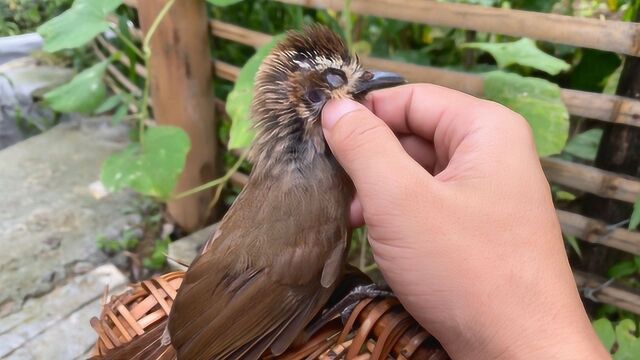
244,294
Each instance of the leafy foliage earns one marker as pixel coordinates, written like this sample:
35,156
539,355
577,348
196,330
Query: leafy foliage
22,16
523,52
621,341
84,93
585,145
151,168
127,241
158,257
573,242
594,69
622,269
223,2
635,215
605,331
239,100
78,25
628,342
538,101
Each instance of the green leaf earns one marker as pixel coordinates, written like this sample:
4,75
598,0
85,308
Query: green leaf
593,70
538,101
84,93
585,145
158,258
611,84
151,169
362,47
119,115
109,104
522,52
628,343
604,329
223,2
635,215
78,25
239,100
573,242
562,195
622,269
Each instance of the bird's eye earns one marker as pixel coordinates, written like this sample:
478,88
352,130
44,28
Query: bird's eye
315,96
335,78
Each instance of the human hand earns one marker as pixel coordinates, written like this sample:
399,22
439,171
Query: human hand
461,222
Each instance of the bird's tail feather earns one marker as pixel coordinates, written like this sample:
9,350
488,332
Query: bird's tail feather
148,346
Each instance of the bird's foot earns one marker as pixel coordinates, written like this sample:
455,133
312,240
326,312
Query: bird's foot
344,307
348,303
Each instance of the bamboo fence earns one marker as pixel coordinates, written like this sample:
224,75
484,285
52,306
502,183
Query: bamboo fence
614,36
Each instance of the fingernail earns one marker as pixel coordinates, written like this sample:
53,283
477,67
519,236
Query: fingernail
334,110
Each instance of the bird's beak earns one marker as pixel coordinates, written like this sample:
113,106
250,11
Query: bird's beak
374,80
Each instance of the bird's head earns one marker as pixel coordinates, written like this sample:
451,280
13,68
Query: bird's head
302,73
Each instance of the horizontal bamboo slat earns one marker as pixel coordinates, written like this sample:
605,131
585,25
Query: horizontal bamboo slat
608,35
596,181
610,108
124,60
613,294
117,75
598,232
225,70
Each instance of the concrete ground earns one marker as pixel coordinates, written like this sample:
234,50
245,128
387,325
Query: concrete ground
51,272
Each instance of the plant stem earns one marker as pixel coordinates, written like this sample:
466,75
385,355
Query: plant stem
348,24
370,268
154,26
362,235
127,42
217,182
146,48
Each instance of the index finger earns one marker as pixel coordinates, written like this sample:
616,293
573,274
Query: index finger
426,109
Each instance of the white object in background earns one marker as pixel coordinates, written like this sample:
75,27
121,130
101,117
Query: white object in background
13,47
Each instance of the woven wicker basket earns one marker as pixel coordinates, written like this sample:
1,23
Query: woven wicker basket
377,328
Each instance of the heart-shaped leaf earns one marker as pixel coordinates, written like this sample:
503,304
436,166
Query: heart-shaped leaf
239,100
538,101
522,52
151,169
78,25
84,93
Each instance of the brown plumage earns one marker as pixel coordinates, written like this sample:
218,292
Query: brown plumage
280,249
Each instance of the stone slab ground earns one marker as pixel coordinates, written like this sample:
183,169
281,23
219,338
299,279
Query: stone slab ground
49,222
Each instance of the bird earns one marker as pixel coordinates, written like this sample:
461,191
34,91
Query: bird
280,251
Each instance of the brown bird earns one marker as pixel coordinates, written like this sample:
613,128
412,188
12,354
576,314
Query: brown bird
280,250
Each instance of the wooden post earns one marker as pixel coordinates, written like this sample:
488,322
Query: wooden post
182,94
619,152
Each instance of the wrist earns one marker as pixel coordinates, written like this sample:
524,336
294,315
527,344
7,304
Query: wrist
554,336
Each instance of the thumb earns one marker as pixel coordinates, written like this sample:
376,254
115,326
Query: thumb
367,149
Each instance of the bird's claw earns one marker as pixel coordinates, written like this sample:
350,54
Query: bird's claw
357,294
